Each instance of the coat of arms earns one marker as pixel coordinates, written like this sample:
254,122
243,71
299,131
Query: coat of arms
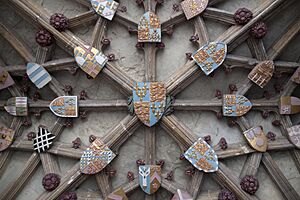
105,8
235,105
96,157
181,195
65,106
149,178
294,135
296,76
43,140
192,8
6,137
149,28
5,79
202,156
210,56
256,138
38,75
118,194
17,106
262,73
149,101
289,105
90,60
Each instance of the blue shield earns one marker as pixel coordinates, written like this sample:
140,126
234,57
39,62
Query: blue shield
150,178
235,105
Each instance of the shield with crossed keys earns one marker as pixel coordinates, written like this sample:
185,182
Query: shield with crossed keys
149,178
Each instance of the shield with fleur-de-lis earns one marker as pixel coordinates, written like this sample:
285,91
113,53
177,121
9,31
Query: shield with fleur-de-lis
235,105
210,56
6,137
150,178
202,156
289,105
256,138
294,135
149,101
96,157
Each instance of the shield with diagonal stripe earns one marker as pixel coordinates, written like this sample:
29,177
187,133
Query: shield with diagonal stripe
150,178
43,139
38,75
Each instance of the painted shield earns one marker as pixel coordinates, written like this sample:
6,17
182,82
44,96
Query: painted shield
96,157
149,101
38,75
6,137
65,106
296,76
90,60
192,8
17,106
235,105
43,140
257,139
289,105
202,156
105,8
182,195
149,28
294,135
150,178
210,56
5,79
262,73
119,194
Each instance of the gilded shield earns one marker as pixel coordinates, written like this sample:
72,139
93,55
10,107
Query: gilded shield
202,156
296,76
150,178
90,60
181,195
38,75
17,106
6,137
262,73
118,194
294,135
289,105
149,101
210,56
235,105
65,106
105,8
43,140
192,8
5,79
257,139
149,28
96,157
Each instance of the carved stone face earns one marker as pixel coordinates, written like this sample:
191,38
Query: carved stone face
256,138
150,178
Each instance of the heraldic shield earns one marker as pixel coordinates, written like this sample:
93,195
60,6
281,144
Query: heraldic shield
294,135
210,56
202,156
149,178
6,137
96,157
289,105
17,106
235,105
296,76
181,195
149,28
257,139
65,106
149,101
5,79
118,194
192,8
105,8
38,75
262,73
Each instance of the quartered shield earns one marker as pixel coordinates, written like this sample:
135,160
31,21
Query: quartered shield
17,106
289,105
5,79
149,28
6,137
257,139
90,60
210,56
118,194
294,135
96,157
150,178
105,8
192,8
235,105
202,156
65,106
149,101
262,73
296,76
182,195
38,75
43,140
